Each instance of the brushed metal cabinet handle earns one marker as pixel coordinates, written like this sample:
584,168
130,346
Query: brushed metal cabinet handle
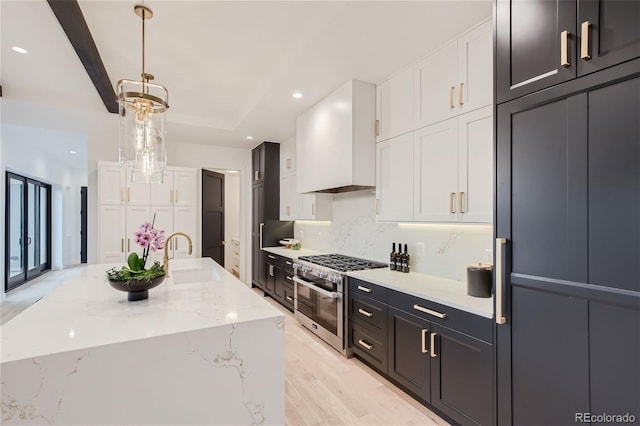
377,205
433,345
429,311
122,245
128,194
271,257
290,299
461,202
261,227
451,90
564,48
377,127
584,41
365,313
452,202
424,341
365,289
365,345
460,102
289,278
176,196
128,244
500,243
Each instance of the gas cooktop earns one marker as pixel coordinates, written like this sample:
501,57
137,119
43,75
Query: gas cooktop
342,263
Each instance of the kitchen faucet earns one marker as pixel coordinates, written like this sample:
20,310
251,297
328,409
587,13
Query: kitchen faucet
166,247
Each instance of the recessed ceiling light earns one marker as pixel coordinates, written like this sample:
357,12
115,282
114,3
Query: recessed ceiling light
249,137
231,171
297,95
73,152
19,49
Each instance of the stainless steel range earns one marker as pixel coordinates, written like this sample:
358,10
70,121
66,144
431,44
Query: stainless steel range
319,293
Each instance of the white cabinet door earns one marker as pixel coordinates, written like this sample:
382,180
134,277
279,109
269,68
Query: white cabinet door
289,199
436,172
394,105
137,194
164,221
288,156
185,187
111,181
475,181
394,179
184,220
162,193
475,69
315,207
435,85
136,216
111,236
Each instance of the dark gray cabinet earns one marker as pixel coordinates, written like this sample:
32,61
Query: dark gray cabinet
279,279
266,228
424,348
544,43
568,204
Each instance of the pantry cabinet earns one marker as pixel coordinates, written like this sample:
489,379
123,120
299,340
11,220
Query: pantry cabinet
453,169
455,79
125,206
394,106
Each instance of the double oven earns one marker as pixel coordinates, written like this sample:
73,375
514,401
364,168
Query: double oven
319,294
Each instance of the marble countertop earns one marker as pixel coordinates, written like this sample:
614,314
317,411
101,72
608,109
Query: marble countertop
440,290
87,312
291,254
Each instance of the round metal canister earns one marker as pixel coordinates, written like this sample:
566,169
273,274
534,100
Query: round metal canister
479,279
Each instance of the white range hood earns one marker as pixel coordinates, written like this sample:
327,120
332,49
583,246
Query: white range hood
336,143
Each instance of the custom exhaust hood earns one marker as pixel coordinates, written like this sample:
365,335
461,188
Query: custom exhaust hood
336,143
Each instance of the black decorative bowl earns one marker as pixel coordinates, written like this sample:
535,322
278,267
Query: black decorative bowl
137,290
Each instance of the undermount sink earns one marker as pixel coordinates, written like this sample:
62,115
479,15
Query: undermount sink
194,275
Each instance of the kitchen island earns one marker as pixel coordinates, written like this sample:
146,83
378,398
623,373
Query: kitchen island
202,349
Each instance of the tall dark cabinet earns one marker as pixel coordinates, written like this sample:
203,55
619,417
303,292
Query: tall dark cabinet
267,229
567,212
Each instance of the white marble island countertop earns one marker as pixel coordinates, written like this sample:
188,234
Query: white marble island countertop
86,312
440,290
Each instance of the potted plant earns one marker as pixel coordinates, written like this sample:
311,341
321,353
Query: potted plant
134,278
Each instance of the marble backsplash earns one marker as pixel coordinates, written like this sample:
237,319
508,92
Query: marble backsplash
441,250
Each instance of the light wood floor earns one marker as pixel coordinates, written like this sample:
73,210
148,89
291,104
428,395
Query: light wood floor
321,386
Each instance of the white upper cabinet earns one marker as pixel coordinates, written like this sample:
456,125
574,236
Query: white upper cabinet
111,237
453,169
335,140
162,193
288,156
185,188
436,172
137,194
394,106
111,182
475,69
394,179
315,207
289,199
475,166
455,79
435,82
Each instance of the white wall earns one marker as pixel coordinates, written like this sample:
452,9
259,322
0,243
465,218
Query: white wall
435,249
231,215
21,155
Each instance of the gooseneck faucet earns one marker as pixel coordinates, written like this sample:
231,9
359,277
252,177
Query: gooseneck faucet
166,247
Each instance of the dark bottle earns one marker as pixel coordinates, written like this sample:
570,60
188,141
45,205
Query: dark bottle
399,258
392,258
406,260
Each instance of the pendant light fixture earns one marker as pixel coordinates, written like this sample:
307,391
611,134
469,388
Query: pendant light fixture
142,109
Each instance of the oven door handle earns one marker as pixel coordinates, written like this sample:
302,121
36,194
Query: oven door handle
330,294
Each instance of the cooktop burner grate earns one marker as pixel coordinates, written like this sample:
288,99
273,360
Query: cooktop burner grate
342,263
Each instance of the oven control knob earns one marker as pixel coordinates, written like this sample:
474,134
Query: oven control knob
336,279
321,274
296,265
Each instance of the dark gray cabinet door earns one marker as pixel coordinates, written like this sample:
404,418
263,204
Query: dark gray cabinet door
462,376
408,360
609,33
614,185
529,45
258,264
614,354
258,163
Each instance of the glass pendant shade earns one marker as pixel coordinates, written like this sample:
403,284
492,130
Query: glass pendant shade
143,148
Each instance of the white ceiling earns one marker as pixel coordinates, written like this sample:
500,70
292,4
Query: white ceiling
230,67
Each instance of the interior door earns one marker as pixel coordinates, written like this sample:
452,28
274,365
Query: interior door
213,216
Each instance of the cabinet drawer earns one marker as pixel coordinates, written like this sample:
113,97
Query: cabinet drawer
363,288
368,312
465,322
288,278
369,347
287,264
273,259
288,296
